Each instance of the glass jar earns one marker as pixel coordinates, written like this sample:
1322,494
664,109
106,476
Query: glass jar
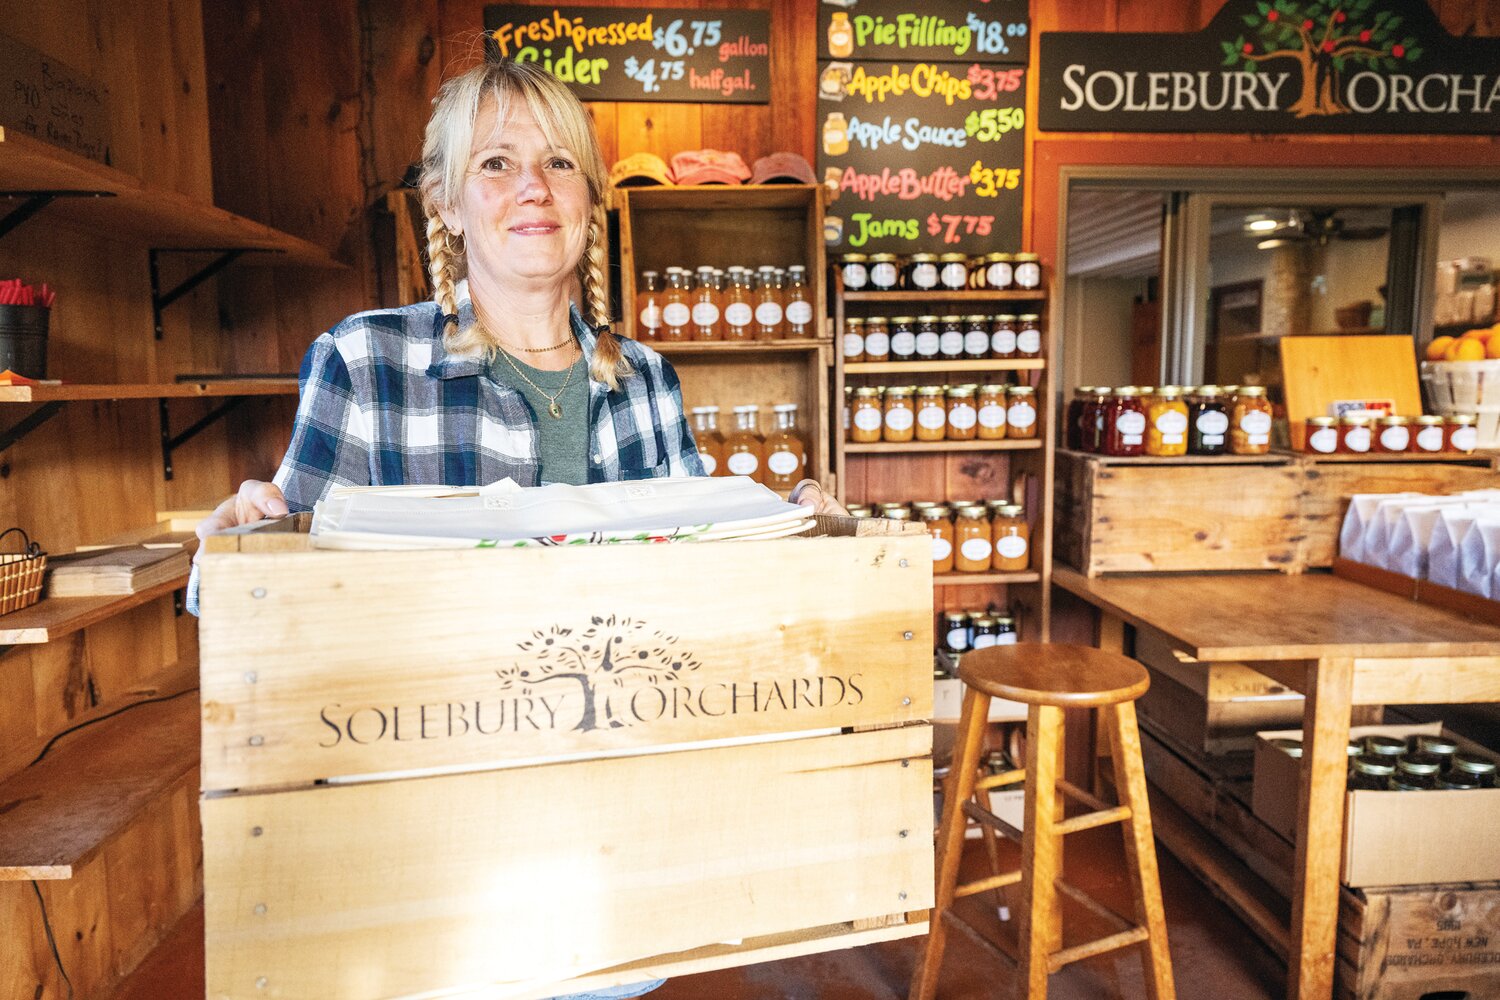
1011,535
929,340
900,415
1073,417
951,337
971,533
877,339
1419,770
1460,435
797,304
984,632
1029,336
1457,781
855,269
1393,435
953,271
976,338
1439,746
1125,424
770,315
1020,412
1003,336
1167,423
955,628
1354,435
1322,435
1482,768
1385,746
896,513
739,305
744,449
939,524
999,272
1028,271
786,449
707,322
648,296
1095,420
1250,430
885,274
1431,436
991,415
1005,630
903,338
921,272
708,439
932,413
961,413
866,417
1209,422
854,340
676,309
1371,773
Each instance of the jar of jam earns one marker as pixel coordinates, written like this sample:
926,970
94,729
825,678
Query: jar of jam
854,340
1167,423
1020,412
976,338
877,339
1419,770
1250,430
1125,424
939,524
866,416
999,272
951,337
1028,271
1370,773
885,275
1393,435
1011,535
1073,417
971,533
855,270
900,415
1003,336
1439,746
899,512
708,439
955,629
1095,420
984,632
921,272
1029,336
903,338
962,415
1431,436
648,295
1385,746
676,310
744,449
929,341
860,510
991,407
1208,422
1322,435
786,449
1354,435
953,271
932,413
1005,631
1460,435
1482,768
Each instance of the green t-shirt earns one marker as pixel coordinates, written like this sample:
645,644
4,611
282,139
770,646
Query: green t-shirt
564,444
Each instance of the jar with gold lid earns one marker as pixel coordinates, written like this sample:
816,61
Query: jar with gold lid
921,272
1003,336
976,337
962,414
1431,435
854,340
855,270
999,272
1020,412
971,532
900,415
885,272
1322,435
1028,336
929,338
991,406
1010,533
951,337
1460,433
1028,271
877,339
866,417
1354,434
953,271
1393,434
939,524
932,413
1167,423
903,338
1250,427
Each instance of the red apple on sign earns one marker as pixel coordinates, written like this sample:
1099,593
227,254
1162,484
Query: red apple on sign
1249,48
1307,25
1338,17
1398,51
1273,16
1328,45
1364,36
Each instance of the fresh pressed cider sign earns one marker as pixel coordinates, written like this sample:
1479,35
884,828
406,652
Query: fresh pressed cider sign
1277,66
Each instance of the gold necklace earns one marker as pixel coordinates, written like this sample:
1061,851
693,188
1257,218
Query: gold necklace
553,408
541,350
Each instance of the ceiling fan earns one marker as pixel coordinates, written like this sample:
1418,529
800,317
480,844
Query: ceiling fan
1309,225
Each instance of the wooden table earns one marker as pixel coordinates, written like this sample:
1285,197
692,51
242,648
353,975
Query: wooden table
1341,644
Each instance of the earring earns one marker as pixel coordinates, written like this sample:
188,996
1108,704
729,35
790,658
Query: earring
448,242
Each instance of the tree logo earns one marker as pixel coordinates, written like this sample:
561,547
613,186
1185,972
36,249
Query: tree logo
611,652
1325,37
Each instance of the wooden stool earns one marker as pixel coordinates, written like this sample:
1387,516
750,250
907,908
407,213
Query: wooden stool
1049,677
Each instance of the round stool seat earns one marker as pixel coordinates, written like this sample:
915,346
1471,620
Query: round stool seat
1054,673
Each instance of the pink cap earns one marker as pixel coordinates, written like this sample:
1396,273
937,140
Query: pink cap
782,168
709,166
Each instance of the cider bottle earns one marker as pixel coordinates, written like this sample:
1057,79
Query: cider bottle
744,450
648,297
676,311
799,310
768,308
786,452
707,323
739,306
708,439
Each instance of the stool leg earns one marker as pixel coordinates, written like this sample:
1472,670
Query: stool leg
1140,851
956,791
1041,851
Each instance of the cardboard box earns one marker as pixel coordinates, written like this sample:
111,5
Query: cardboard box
1390,838
948,703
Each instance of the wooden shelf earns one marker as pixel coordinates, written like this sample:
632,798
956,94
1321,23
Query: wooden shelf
51,618
163,220
1476,458
897,367
966,296
976,579
699,198
69,391
891,448
1274,458
736,348
88,789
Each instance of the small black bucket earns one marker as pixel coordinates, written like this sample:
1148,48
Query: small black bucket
23,340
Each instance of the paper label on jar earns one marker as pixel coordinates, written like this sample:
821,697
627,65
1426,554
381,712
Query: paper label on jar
984,641
883,275
1212,440
1357,439
1396,438
739,313
799,312
743,463
1005,639
855,276
951,343
1003,343
975,550
1430,439
1011,546
710,465
676,314
1023,415
768,314
932,417
1172,422
1131,423
961,417
903,345
854,345
1213,423
651,316
1029,342
899,419
958,639
1256,422
1323,440
992,415
927,344
941,549
976,343
782,463
867,419
999,275
705,313
955,276
1028,275
924,275
877,344
1465,438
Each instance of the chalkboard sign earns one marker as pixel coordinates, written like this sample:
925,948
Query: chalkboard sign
688,56
922,155
47,100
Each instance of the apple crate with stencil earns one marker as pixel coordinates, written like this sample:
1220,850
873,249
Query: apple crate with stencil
1454,387
20,572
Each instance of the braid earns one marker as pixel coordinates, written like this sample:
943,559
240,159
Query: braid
608,365
440,267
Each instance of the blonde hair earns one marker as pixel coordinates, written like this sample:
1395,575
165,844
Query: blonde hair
445,157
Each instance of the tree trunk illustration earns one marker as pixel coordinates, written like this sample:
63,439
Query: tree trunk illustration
589,720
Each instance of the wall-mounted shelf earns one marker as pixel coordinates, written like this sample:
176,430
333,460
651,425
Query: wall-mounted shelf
966,296
978,579
736,348
898,367
914,447
70,391
51,618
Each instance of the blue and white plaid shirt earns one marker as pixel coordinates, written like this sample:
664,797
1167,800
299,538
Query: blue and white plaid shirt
384,404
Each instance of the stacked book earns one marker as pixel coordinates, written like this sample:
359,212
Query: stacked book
128,569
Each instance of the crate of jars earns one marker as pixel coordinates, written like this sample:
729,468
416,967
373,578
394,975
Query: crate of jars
1421,805
904,414
958,633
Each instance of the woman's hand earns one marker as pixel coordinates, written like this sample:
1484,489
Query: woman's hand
254,502
809,493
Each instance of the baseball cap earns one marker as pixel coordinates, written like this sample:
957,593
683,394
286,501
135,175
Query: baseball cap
639,170
709,166
782,168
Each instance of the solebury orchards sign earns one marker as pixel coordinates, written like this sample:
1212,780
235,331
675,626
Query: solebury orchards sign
1325,66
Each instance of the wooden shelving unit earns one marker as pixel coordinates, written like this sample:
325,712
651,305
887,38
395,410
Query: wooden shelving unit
69,392
919,447
738,349
982,579
54,617
1018,295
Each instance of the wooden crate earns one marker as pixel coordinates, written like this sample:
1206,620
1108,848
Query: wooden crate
731,738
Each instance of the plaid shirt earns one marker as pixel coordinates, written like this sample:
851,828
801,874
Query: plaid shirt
383,403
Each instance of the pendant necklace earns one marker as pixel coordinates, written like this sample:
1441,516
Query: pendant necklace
554,409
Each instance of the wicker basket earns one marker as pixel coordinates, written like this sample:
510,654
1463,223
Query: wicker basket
21,574
1466,387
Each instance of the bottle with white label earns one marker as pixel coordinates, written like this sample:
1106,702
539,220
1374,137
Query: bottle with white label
786,450
798,303
676,309
1322,435
1005,630
708,321
708,439
744,450
648,299
770,318
739,305
962,414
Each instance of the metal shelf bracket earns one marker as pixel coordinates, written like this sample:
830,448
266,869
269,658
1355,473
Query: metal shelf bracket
28,424
33,202
160,300
170,443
